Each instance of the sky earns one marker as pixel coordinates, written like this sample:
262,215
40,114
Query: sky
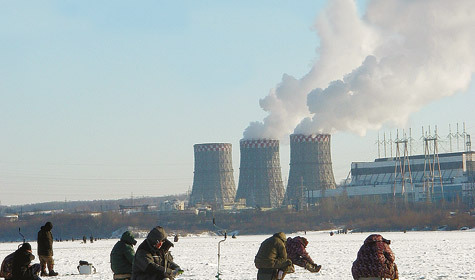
105,100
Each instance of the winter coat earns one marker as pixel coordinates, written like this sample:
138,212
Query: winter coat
296,251
272,253
122,255
151,263
21,265
375,259
45,241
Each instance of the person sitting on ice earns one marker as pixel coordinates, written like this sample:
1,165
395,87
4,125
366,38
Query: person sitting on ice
375,260
21,268
122,256
271,259
149,263
296,251
168,258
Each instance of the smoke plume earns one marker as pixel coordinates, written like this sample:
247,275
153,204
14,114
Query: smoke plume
377,69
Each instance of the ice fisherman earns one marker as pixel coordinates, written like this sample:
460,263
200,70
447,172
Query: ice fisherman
150,262
122,256
375,260
296,251
271,260
45,250
21,268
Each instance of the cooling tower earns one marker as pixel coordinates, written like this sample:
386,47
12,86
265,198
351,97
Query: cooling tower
310,165
213,180
260,175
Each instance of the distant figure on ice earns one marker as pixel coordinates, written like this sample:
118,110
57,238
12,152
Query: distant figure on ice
122,256
149,261
21,268
84,239
45,249
375,260
298,254
271,259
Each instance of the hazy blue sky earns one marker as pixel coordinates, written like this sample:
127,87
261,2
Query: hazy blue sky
105,99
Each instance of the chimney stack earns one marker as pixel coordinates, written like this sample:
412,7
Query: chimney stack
260,175
213,181
310,165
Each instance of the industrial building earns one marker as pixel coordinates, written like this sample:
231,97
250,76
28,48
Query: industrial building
213,180
310,166
260,174
429,177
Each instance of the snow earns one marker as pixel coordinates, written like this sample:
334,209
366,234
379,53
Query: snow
419,255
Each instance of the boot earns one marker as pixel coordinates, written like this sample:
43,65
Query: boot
53,273
43,271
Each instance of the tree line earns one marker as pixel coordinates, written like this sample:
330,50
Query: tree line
361,214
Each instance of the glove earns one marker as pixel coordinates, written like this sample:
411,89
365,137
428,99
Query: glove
312,267
176,272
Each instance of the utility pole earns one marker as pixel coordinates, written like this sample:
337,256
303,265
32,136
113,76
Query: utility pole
431,166
402,164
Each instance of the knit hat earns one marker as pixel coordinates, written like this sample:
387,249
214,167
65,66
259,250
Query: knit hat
156,235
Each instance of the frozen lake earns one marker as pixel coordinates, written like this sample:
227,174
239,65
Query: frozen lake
419,255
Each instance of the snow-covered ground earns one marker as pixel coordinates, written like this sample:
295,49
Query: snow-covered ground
419,255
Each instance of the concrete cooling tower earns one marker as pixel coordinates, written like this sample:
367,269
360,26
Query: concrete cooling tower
310,165
213,180
260,175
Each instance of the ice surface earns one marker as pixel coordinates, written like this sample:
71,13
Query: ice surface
419,255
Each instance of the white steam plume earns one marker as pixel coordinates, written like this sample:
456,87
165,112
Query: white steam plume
425,51
375,70
287,103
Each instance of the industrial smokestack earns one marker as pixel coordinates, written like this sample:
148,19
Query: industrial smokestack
310,165
260,175
213,181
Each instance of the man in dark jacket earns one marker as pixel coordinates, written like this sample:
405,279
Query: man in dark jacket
21,269
375,260
122,256
45,249
296,251
168,258
271,259
149,262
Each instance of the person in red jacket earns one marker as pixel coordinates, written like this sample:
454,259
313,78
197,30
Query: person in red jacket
375,260
296,252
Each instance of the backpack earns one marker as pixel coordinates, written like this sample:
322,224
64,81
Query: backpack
7,267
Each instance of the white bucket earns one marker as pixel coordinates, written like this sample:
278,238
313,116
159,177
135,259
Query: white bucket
86,269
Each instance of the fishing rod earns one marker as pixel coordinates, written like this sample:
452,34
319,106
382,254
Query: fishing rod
19,232
221,230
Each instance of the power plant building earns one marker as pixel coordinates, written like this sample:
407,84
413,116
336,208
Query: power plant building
260,175
310,166
213,181
448,176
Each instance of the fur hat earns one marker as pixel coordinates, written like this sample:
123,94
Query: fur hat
167,244
156,235
26,246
